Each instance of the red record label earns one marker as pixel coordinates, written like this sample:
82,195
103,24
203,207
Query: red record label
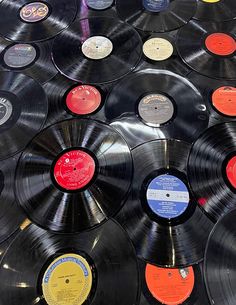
83,100
74,170
170,286
231,171
220,44
224,100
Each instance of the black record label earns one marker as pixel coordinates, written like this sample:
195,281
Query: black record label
99,4
20,55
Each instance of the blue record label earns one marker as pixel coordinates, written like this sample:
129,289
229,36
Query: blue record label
167,196
156,6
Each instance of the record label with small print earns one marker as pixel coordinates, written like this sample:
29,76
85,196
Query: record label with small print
224,100
34,12
99,4
156,6
20,55
5,110
220,44
97,47
158,49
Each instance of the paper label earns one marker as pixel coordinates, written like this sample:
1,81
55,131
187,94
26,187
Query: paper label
34,12
224,100
220,44
97,47
158,49
20,55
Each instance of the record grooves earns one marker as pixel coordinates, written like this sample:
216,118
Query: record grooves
74,175
160,215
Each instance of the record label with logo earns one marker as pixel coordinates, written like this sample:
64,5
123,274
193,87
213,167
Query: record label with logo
156,15
156,103
80,169
161,215
37,20
30,59
209,48
71,268
99,5
212,169
97,50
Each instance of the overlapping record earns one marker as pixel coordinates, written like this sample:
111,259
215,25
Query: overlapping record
74,175
219,96
209,48
68,99
46,268
151,104
211,169
160,215
99,5
11,216
25,21
23,110
156,16
172,286
215,10
220,261
30,59
97,50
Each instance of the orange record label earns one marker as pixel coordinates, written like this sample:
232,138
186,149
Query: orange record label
220,44
231,171
224,100
170,286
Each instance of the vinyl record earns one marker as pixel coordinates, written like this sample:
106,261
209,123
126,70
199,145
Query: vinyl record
172,286
97,50
4,245
86,268
160,215
28,21
74,175
156,16
211,169
219,96
11,216
30,59
23,109
68,99
156,104
215,10
220,262
209,48
159,50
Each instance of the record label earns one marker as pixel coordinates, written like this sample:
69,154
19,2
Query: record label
5,110
97,47
34,12
158,49
210,1
74,170
220,44
83,100
231,171
20,55
167,196
170,286
224,100
67,281
156,109
156,6
99,4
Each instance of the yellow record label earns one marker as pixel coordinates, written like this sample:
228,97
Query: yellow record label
158,49
25,224
97,47
211,1
67,281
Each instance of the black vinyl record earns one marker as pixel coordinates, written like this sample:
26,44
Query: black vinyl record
160,215
156,16
211,169
209,48
49,267
68,99
156,104
219,96
28,21
30,59
74,175
23,111
11,215
172,286
97,50
220,256
219,10
4,245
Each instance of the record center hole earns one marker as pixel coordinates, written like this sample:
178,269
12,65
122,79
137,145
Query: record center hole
67,281
168,195
75,169
169,274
